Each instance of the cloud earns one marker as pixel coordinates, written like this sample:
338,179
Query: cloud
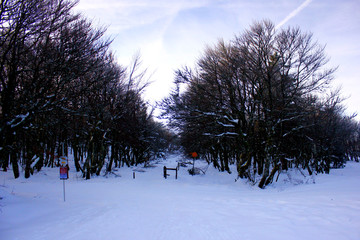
293,13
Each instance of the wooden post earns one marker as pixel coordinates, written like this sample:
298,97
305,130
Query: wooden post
165,172
133,175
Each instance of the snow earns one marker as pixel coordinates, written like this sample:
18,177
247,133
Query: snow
210,206
21,119
221,134
226,125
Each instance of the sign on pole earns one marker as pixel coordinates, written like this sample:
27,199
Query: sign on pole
64,171
64,168
63,161
194,155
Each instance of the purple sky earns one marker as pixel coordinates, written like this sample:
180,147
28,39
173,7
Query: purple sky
170,34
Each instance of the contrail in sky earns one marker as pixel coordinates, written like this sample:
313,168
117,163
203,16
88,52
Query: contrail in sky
294,13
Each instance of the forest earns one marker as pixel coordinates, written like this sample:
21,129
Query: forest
262,101
61,89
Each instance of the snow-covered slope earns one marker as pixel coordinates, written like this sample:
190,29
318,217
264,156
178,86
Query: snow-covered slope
210,206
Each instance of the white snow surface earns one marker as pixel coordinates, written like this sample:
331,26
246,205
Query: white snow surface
207,206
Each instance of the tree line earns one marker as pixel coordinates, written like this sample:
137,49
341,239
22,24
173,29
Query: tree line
61,90
264,102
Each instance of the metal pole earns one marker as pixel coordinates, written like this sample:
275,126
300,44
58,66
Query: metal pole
64,188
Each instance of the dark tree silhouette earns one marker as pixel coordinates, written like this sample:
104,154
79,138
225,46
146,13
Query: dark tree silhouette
260,102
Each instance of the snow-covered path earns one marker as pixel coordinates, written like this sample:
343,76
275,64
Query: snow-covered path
211,206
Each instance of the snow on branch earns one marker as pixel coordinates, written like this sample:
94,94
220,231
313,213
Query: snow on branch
18,120
234,121
221,134
225,125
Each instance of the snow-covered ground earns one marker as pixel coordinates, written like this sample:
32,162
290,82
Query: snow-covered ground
210,206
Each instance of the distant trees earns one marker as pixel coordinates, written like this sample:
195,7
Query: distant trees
61,90
263,102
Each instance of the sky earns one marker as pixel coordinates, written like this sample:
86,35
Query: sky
172,34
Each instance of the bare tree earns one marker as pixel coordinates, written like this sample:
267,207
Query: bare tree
61,88
251,101
27,28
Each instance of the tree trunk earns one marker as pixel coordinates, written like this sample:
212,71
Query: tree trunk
5,161
243,165
265,173
40,162
272,174
14,163
76,157
27,166
108,169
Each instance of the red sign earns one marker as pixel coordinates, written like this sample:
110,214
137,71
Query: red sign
64,173
194,154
